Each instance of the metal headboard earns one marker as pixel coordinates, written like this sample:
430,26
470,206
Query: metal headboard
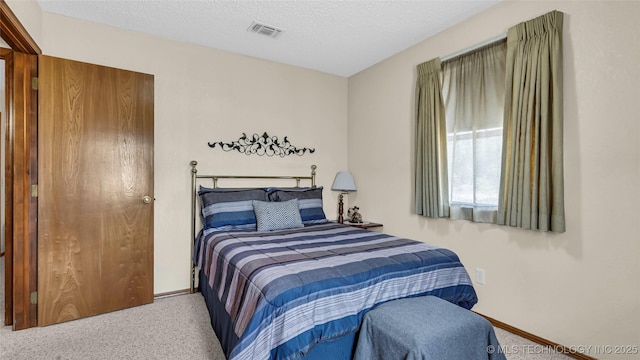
214,179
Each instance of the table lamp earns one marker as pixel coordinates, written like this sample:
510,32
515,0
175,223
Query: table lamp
343,183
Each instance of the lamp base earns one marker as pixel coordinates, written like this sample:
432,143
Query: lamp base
340,209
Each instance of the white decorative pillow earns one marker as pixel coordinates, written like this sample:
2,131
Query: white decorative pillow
277,215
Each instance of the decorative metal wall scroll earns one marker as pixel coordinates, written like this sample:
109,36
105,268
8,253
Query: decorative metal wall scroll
262,145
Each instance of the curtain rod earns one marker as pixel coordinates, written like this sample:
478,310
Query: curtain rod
474,47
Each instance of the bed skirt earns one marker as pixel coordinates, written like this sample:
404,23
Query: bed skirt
341,348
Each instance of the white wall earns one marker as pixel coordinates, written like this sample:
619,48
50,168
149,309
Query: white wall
204,95
576,288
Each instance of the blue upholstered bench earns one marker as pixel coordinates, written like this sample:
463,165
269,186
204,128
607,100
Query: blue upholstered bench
426,327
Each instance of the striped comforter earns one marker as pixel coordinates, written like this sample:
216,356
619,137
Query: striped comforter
287,290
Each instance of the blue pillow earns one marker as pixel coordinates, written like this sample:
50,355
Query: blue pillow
277,215
229,209
309,202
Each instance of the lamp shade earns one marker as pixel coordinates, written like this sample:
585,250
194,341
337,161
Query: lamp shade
343,182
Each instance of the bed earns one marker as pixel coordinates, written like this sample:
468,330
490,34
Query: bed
280,281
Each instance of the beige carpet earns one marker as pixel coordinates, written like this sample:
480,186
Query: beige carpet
171,328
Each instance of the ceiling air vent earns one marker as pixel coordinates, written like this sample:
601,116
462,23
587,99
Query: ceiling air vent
264,29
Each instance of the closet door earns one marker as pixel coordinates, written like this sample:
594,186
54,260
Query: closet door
95,190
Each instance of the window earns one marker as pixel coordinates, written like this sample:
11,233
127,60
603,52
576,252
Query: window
458,157
474,175
473,89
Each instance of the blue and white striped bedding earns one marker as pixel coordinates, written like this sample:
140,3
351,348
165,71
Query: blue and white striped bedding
286,290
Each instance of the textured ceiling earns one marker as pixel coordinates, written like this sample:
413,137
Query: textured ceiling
337,37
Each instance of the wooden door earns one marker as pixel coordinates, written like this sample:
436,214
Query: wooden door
95,190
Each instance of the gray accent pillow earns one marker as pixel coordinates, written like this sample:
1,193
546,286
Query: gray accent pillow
277,215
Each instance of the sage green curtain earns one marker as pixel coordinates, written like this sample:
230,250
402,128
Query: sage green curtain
531,181
431,183
473,92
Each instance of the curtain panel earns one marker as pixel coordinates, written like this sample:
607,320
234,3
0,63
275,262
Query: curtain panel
473,91
431,182
531,181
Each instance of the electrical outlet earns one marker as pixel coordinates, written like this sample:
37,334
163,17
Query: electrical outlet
480,276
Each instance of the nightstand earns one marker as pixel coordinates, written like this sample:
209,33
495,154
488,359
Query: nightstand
364,225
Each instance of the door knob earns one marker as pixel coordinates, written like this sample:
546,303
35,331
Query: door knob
146,199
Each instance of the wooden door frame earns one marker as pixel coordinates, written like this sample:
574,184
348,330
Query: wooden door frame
21,169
